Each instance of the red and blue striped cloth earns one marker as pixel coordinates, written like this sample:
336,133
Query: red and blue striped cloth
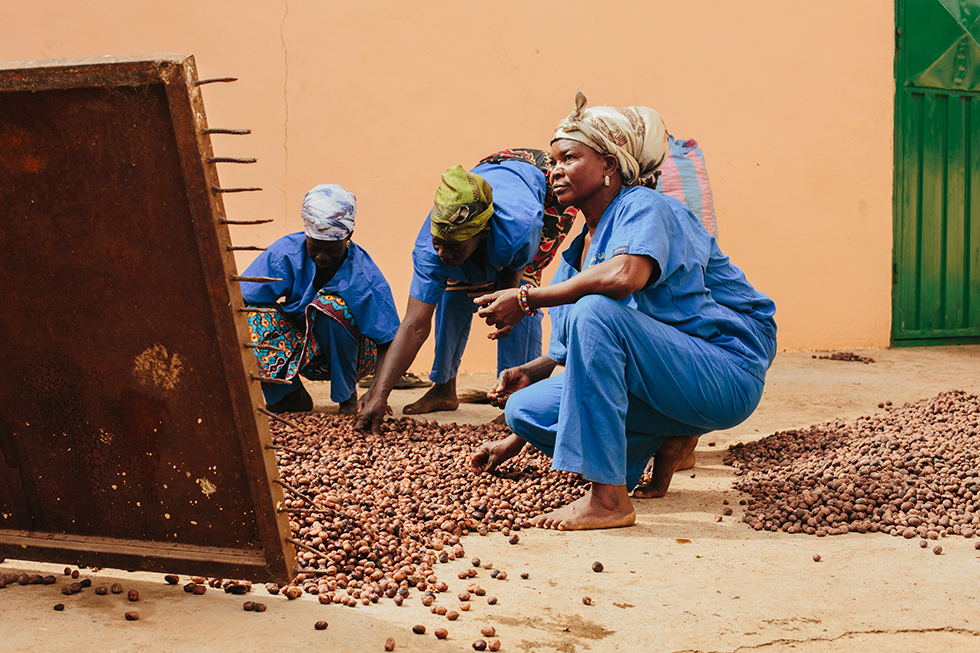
684,177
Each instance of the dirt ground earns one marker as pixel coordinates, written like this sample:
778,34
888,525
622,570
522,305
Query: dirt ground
676,581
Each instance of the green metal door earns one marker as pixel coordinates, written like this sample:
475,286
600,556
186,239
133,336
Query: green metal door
936,293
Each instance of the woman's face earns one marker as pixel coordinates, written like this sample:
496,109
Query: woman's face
578,172
453,253
327,254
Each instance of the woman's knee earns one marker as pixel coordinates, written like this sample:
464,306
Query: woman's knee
592,310
517,413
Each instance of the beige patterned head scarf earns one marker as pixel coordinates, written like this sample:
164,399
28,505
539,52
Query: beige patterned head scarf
636,136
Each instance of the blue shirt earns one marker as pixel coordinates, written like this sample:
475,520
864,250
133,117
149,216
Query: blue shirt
511,243
699,291
358,282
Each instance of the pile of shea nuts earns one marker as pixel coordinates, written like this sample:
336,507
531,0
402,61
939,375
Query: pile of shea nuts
373,515
912,471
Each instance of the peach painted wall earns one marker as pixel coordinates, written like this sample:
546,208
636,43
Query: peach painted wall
791,103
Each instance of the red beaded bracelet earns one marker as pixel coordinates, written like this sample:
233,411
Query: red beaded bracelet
522,300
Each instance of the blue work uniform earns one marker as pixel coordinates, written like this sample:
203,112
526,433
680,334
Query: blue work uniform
683,356
359,282
511,243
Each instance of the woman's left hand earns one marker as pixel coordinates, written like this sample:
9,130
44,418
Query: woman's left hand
501,310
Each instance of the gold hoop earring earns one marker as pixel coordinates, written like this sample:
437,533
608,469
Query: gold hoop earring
607,180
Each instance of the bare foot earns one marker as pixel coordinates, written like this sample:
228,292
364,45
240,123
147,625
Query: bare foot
673,453
492,454
349,406
687,463
604,506
441,396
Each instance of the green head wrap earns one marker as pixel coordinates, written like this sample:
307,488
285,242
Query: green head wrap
463,205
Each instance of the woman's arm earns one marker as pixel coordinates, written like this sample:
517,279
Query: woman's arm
513,379
616,278
412,332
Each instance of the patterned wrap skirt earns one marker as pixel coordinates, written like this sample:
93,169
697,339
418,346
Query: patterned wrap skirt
299,351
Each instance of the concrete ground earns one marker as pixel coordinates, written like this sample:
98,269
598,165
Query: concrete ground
676,581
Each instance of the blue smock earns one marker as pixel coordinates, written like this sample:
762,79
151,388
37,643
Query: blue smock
511,243
359,282
683,356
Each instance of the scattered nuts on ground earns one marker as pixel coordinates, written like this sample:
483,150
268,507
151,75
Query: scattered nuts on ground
494,645
488,631
492,600
418,629
480,645
171,579
248,606
59,606
379,512
132,616
441,633
937,549
260,607
514,539
923,543
525,575
816,557
597,566
133,595
390,644
101,590
320,625
587,600
116,588
452,615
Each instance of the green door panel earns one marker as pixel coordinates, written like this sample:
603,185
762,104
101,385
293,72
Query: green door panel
941,45
936,293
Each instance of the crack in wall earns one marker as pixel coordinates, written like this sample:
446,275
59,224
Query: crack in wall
786,640
285,103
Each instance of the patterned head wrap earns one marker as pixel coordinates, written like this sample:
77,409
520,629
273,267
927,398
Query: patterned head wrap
636,136
463,206
328,212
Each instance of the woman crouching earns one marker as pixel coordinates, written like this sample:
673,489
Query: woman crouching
662,338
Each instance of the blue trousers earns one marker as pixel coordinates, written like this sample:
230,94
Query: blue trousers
629,382
340,347
454,315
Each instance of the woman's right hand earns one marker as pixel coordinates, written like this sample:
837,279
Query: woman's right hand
370,417
510,381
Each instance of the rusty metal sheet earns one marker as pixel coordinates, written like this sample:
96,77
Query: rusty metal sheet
128,425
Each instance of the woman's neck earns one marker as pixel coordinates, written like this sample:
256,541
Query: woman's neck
596,205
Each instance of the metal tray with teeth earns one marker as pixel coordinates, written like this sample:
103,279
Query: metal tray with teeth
130,433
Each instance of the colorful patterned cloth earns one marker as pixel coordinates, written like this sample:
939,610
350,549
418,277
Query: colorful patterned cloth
558,219
302,353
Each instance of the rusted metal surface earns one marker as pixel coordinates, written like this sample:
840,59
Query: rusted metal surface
129,429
